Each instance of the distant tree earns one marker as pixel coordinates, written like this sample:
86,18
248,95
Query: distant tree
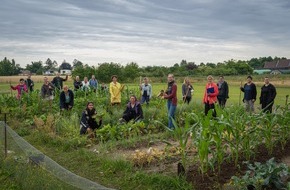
106,70
50,64
35,67
183,62
8,68
77,63
212,65
131,71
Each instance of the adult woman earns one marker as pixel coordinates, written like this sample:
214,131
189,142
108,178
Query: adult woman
170,95
133,110
210,96
250,94
186,90
21,87
77,83
88,121
66,99
115,91
146,91
85,84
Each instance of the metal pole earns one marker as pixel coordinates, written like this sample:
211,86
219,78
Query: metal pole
5,135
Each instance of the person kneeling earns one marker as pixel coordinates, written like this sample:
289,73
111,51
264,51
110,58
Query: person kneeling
133,111
88,121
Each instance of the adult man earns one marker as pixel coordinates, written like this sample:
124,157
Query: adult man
171,96
58,81
223,92
268,94
29,83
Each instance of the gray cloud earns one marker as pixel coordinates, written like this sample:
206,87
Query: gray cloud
148,32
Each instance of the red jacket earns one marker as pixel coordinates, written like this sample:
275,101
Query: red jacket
212,97
20,89
172,96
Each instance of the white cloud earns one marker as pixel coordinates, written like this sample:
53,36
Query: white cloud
148,32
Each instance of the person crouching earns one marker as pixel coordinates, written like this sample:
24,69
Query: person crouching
133,111
88,123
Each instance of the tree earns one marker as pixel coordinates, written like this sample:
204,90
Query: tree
49,64
77,63
106,70
35,67
8,68
131,71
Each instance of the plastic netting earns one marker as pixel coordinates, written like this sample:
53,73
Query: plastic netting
36,157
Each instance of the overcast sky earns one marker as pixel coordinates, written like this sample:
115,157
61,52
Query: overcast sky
149,32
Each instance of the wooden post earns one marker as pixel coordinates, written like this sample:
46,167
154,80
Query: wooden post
5,135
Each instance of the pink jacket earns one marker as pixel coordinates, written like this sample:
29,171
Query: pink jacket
212,97
20,89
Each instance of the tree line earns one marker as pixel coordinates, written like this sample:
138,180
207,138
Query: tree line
132,70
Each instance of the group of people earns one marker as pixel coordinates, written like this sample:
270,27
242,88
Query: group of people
214,93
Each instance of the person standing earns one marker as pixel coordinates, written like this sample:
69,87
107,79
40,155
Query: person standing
29,83
88,123
21,88
47,90
268,94
133,111
171,96
58,81
85,84
250,94
66,99
93,83
115,91
187,88
210,96
146,91
77,83
223,92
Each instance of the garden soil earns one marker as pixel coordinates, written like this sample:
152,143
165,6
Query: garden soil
208,181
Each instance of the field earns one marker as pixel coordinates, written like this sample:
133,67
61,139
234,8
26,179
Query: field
146,155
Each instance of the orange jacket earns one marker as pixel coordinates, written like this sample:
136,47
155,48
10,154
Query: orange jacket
212,97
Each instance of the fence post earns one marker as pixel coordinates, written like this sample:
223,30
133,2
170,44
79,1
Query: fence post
5,135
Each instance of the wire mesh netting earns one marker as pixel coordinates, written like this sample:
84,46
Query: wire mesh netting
27,153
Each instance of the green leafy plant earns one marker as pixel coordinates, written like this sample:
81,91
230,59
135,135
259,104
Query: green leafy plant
270,175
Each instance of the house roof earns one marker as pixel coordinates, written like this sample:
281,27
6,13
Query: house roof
279,64
65,66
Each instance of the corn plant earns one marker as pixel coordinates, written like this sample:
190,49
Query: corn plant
269,122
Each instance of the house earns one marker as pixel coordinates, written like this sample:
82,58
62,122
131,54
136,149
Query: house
24,73
65,68
49,72
281,66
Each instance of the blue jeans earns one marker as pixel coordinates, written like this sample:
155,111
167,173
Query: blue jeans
171,112
145,99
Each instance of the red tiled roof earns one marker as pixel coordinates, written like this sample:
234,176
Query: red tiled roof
283,63
280,64
270,65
